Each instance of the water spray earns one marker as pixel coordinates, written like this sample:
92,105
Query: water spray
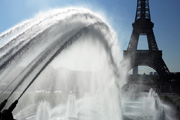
45,65
27,74
7,87
13,105
36,62
67,43
32,68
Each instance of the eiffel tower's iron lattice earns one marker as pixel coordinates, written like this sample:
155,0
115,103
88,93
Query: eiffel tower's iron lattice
151,57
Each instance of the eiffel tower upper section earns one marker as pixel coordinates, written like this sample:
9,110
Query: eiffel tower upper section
142,25
142,11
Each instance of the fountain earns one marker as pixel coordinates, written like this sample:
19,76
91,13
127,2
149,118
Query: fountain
70,60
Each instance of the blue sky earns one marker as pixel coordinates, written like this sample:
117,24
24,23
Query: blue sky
119,13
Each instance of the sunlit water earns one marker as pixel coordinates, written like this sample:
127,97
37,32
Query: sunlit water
82,78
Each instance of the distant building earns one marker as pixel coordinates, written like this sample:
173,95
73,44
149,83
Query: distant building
155,73
151,73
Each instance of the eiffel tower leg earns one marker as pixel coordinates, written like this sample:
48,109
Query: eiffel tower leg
161,68
151,40
133,41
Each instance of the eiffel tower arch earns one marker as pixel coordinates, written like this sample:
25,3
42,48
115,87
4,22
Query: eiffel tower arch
151,57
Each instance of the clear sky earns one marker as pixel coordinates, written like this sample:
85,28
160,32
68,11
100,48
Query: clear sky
119,13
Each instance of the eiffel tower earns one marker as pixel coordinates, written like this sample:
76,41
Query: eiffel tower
151,57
